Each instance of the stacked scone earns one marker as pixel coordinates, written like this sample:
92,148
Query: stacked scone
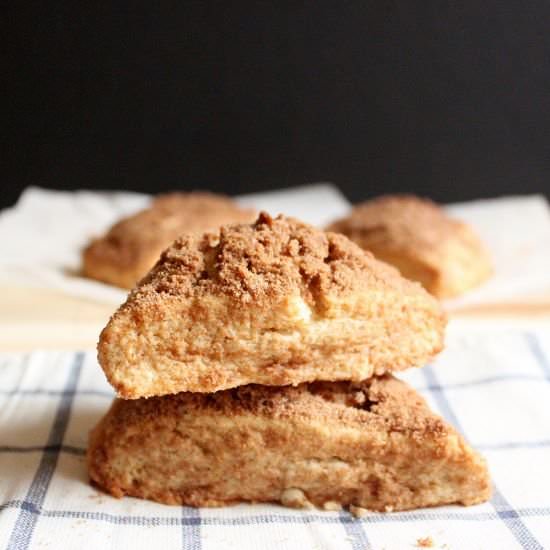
255,364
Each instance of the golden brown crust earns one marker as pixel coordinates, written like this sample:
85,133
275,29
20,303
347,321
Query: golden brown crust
131,247
374,445
275,302
421,240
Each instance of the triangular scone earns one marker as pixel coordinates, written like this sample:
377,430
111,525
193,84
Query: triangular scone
275,302
421,240
374,445
131,247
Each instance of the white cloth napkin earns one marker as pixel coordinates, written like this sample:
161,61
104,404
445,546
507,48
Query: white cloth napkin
493,385
42,235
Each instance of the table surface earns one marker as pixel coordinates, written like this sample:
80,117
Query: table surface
32,318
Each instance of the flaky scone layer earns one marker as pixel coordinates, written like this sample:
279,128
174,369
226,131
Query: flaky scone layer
421,240
275,302
132,246
374,445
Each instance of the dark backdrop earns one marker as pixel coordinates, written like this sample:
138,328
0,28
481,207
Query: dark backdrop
450,101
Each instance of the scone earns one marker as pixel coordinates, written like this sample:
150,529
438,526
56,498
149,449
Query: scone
275,302
421,240
132,246
374,445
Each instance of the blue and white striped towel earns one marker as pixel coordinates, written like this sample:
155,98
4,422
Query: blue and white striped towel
494,386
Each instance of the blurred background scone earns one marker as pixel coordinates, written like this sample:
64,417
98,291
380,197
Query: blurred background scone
132,246
421,240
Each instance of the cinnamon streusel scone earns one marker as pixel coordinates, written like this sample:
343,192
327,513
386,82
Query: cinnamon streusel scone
421,240
132,246
374,445
275,302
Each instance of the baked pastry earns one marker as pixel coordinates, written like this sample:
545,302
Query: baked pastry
275,302
132,246
421,240
374,445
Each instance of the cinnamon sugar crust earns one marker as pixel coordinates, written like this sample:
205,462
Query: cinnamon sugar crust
276,302
421,240
132,246
372,445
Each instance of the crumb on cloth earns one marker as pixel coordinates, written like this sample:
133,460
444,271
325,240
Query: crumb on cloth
424,542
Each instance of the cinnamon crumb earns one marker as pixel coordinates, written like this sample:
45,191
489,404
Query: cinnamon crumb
264,261
424,542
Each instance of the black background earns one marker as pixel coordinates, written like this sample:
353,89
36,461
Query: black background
449,100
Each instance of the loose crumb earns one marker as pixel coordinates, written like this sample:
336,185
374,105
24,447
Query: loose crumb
295,498
332,506
357,511
424,542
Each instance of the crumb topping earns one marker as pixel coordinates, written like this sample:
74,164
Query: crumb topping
266,260
388,404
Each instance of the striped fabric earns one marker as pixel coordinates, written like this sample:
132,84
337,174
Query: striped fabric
494,386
